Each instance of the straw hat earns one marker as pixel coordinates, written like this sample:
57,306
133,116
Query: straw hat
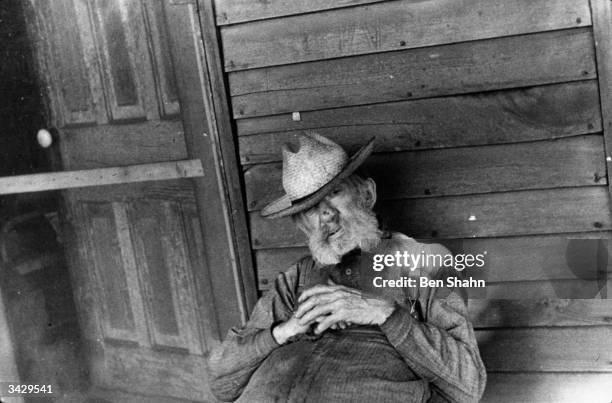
312,172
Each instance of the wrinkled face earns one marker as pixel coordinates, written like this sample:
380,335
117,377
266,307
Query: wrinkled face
342,221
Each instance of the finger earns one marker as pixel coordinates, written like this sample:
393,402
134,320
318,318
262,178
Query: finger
326,323
319,310
342,325
317,289
334,326
315,300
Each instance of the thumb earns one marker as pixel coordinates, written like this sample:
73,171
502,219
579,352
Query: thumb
331,282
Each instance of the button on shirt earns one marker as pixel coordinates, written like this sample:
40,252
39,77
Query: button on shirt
425,350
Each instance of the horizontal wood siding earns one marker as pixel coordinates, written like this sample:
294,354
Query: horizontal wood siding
489,137
508,259
231,12
496,117
555,350
497,214
394,25
548,388
517,61
576,161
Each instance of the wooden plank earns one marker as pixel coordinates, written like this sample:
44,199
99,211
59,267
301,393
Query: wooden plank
602,32
66,59
576,349
113,145
576,161
499,214
517,61
526,258
130,271
217,97
160,247
536,113
174,247
389,26
234,11
101,176
201,117
487,313
543,289
125,59
167,92
548,388
174,189
112,295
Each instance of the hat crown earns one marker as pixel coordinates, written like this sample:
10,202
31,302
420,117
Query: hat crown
316,162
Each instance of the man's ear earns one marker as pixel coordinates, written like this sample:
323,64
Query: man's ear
369,194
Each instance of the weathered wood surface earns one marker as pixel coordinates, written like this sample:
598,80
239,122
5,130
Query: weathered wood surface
175,189
120,313
488,313
548,387
101,176
548,289
234,11
112,145
530,212
200,84
66,58
125,60
535,113
517,61
167,93
132,369
388,26
561,349
159,236
221,117
526,258
602,32
575,161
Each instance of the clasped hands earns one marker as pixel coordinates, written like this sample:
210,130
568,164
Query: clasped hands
332,306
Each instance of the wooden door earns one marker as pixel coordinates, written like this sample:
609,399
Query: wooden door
158,271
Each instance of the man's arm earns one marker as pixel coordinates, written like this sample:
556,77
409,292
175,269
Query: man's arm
442,349
233,362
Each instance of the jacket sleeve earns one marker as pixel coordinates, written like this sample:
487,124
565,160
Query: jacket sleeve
232,363
442,347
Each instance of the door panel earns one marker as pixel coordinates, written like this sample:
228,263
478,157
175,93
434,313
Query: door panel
145,246
153,264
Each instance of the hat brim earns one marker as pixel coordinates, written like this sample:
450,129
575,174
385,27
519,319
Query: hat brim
283,206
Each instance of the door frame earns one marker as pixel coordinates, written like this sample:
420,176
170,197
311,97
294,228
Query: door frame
221,133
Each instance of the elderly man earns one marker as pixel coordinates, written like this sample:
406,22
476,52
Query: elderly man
324,333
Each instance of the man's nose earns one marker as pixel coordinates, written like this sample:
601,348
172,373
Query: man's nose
327,213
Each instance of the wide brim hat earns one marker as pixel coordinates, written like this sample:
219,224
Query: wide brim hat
289,205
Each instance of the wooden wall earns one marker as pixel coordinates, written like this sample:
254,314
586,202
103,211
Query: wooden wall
488,118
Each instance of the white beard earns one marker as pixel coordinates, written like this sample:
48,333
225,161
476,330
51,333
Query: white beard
359,229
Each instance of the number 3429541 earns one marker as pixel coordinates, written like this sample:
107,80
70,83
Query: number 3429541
28,389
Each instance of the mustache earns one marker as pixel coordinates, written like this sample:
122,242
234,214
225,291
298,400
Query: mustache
360,227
